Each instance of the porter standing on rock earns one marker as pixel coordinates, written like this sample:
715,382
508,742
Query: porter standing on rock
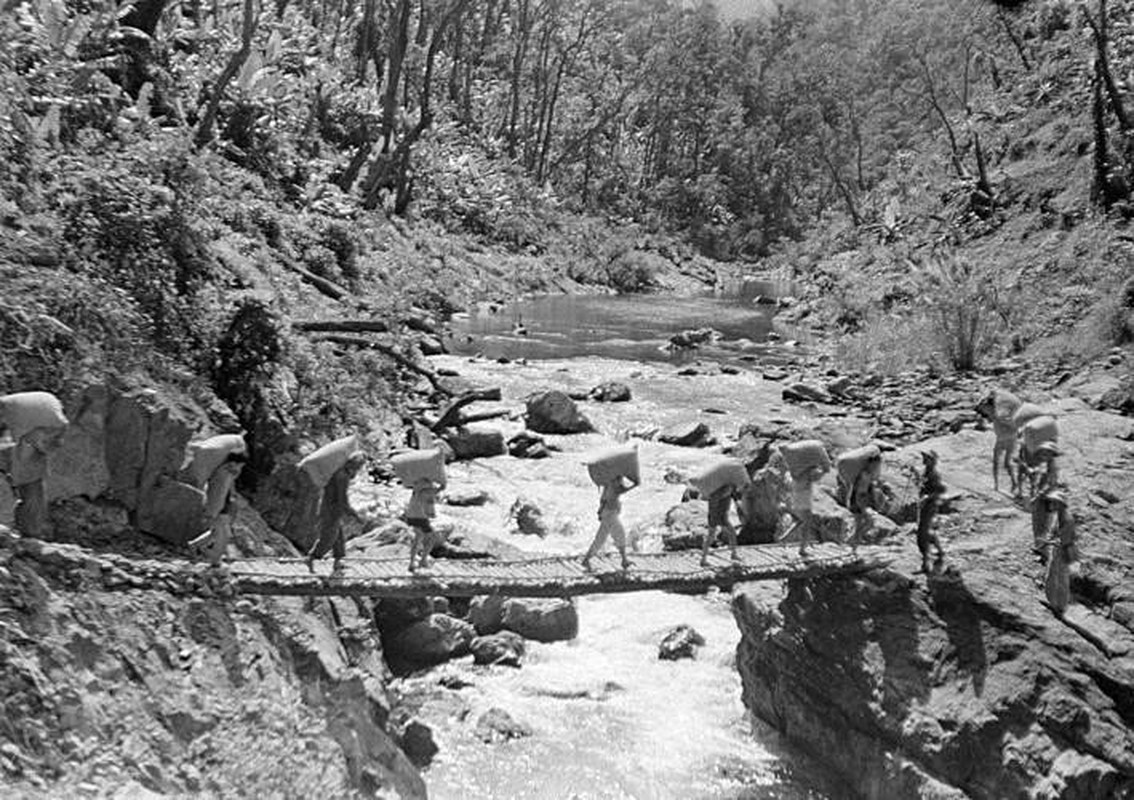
1060,553
331,469
929,498
999,407
858,472
35,421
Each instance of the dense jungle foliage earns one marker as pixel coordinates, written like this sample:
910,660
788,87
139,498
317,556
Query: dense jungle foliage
169,161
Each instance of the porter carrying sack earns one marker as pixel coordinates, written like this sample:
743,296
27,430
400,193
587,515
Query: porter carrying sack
851,463
1039,431
23,412
411,467
208,454
607,466
724,472
1025,414
329,459
802,456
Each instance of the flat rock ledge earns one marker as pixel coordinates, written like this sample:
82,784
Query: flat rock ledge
962,685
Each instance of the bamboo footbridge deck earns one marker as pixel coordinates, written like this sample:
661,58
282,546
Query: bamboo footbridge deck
553,576
558,576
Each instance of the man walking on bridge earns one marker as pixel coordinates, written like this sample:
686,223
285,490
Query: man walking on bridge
610,520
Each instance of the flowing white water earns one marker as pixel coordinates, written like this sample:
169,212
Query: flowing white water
611,720
608,718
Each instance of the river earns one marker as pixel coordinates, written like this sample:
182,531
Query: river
629,327
609,719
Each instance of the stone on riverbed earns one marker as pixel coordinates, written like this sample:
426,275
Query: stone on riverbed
503,647
486,613
528,517
681,642
433,640
470,441
526,444
465,497
688,434
497,725
555,412
542,620
611,392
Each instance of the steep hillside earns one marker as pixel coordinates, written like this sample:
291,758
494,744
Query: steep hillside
1039,267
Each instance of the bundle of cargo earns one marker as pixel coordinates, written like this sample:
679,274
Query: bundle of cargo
1026,413
416,465
720,473
206,455
803,456
23,412
1039,431
329,459
850,464
608,465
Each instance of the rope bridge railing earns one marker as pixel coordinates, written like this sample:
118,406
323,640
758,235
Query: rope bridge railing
554,576
549,576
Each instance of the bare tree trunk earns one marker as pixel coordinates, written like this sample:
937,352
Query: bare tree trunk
1099,189
394,72
1014,37
519,53
1102,39
935,104
204,133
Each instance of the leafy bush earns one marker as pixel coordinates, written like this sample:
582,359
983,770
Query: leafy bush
127,221
966,307
632,271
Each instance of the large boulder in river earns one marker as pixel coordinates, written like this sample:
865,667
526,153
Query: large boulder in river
685,526
473,441
611,392
555,412
542,620
486,613
503,647
681,642
528,517
433,640
762,506
688,434
497,725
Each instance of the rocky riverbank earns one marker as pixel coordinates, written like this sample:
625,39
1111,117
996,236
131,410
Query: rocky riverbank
963,683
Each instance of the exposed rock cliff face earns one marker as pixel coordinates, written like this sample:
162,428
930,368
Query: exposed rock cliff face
174,694
950,689
155,690
964,683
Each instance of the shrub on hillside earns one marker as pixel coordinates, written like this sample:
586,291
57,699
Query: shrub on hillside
127,219
966,307
632,271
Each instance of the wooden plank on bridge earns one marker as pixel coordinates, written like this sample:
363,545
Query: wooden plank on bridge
557,576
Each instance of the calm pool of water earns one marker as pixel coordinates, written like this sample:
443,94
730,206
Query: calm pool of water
631,327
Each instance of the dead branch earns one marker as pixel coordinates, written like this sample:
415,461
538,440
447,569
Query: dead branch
342,326
387,350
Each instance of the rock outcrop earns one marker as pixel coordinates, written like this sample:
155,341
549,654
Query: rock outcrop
176,695
555,412
959,687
